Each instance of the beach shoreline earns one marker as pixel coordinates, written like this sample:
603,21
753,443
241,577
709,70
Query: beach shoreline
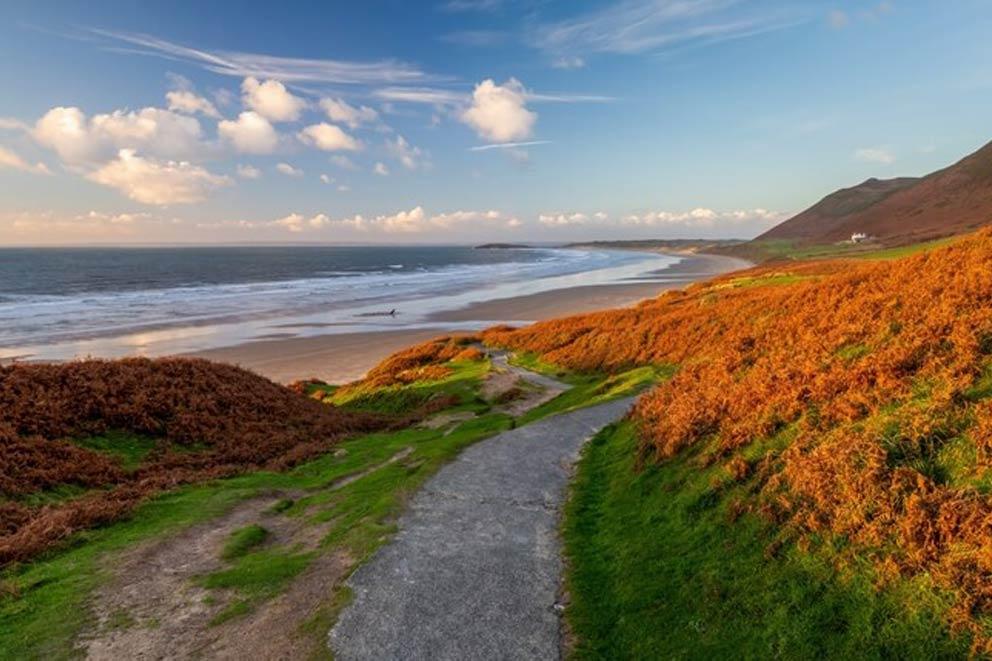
343,357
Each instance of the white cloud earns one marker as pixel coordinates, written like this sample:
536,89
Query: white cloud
229,224
455,218
538,97
343,188
875,155
381,169
437,97
326,179
50,227
409,156
568,62
249,172
250,133
510,145
341,112
328,137
416,220
343,162
699,218
295,222
636,26
153,182
559,219
413,221
498,112
295,69
188,102
13,124
10,159
289,170
703,217
402,222
271,100
182,98
157,132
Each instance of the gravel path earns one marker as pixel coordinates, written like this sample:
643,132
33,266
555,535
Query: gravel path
474,572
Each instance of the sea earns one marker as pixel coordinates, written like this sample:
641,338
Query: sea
63,303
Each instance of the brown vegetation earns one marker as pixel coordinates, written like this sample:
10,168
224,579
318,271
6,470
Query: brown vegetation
421,362
210,420
873,377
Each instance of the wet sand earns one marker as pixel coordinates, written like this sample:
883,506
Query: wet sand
342,357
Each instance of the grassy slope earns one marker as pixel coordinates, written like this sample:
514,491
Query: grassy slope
767,250
658,571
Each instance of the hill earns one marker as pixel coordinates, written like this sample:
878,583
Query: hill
837,414
675,245
951,201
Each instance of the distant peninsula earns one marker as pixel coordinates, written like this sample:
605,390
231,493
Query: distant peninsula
680,245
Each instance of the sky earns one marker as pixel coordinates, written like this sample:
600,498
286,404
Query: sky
461,121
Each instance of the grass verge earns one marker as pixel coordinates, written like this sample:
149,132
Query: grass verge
592,389
658,570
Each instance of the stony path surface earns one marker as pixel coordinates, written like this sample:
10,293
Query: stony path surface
475,569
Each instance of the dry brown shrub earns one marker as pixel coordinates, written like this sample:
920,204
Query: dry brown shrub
403,364
471,354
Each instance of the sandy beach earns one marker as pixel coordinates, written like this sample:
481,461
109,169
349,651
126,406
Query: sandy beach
342,357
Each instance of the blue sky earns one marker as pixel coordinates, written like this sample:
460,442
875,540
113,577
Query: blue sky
470,120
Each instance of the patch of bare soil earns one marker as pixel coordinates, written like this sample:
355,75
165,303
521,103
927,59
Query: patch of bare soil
272,632
153,608
514,393
442,420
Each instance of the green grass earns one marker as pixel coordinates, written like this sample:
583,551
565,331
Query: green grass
791,250
532,361
129,449
463,382
281,506
244,540
588,390
657,570
851,352
905,251
767,280
255,576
